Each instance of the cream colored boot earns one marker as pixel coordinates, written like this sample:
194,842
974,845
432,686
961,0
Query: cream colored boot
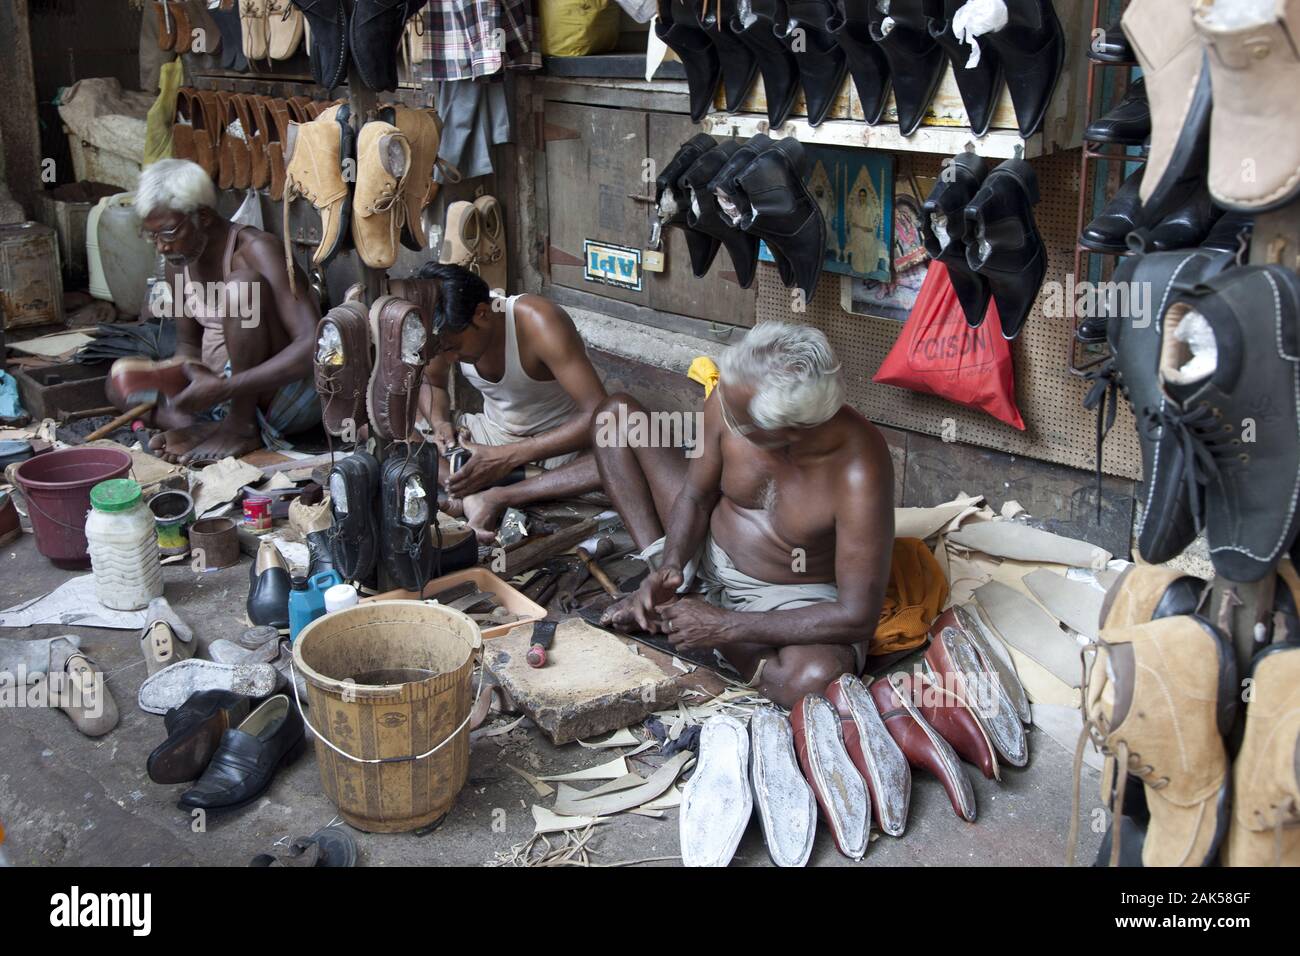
315,154
423,130
383,164
285,24
492,243
255,24
462,237
1157,700
1265,827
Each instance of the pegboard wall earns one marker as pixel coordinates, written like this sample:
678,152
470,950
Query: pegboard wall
1057,426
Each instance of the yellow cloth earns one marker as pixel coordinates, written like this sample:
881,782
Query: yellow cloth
578,27
916,592
158,124
705,371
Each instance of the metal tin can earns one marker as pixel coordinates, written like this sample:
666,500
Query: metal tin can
257,513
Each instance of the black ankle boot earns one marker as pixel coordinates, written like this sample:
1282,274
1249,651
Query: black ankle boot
822,64
1108,232
680,28
318,550
784,213
851,27
916,62
981,85
1127,123
1032,50
376,38
407,506
328,22
755,26
1183,228
943,227
354,498
739,65
1003,243
703,214
672,204
232,38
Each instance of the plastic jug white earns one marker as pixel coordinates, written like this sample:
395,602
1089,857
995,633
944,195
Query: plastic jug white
123,546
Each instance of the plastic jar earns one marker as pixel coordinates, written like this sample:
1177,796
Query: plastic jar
123,546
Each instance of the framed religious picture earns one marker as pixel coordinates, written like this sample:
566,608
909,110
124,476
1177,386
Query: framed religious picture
892,298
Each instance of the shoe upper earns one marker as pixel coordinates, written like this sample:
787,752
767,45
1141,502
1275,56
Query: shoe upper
247,757
354,503
1032,49
672,205
408,507
315,153
376,36
268,587
401,336
378,203
737,60
327,23
755,27
851,27
1184,228
423,132
783,212
1003,244
201,705
680,28
916,61
943,230
1120,216
704,215
980,85
821,63
1128,122
342,367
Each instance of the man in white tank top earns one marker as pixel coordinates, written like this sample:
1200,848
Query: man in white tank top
539,388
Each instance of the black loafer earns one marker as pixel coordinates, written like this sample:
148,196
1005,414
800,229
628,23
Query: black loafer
407,506
822,64
1181,229
979,86
247,758
672,203
680,28
1128,123
1231,234
1032,50
354,495
1112,47
943,228
268,588
1003,243
328,22
868,65
756,28
916,61
739,65
704,215
1108,232
784,213
194,730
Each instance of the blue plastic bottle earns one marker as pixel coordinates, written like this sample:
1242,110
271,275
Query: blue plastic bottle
308,603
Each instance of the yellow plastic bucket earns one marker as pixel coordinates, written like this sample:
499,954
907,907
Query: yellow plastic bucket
388,685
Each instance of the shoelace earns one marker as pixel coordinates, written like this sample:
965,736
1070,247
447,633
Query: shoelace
1207,442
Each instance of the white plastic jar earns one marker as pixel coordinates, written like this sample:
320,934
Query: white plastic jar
123,546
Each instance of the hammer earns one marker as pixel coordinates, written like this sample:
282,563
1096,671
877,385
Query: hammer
543,635
591,552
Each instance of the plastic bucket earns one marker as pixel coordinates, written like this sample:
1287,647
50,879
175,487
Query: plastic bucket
57,488
389,688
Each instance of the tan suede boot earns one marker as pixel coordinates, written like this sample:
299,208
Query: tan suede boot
1157,700
462,237
492,243
1265,827
423,130
315,154
1146,591
1254,72
383,163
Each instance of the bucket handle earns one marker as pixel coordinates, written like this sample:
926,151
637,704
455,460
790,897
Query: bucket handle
49,517
293,673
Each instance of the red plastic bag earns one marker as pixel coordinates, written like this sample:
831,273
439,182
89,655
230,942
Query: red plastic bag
939,354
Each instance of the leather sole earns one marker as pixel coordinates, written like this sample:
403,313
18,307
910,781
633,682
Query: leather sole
786,806
888,776
840,790
716,802
183,757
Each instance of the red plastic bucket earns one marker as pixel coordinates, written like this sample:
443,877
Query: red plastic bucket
57,488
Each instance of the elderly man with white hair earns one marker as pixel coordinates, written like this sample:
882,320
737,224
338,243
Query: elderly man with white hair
247,333
771,546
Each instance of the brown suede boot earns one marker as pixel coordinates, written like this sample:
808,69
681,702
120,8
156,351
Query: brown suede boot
1265,828
378,210
423,131
1157,700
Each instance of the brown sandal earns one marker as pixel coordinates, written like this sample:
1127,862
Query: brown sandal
207,132
183,124
259,169
166,25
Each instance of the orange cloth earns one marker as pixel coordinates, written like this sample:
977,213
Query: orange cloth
916,592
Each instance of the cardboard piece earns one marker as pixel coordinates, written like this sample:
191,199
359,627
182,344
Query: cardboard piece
1025,627
1076,604
1011,539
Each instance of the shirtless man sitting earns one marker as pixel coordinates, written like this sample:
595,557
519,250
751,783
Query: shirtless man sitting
248,335
773,544
539,392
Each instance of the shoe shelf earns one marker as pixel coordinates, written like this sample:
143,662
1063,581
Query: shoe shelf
282,85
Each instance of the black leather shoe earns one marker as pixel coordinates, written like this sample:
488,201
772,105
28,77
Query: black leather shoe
756,28
703,214
376,37
194,730
784,213
916,61
981,85
672,203
1032,50
328,22
247,758
1231,234
739,65
268,588
232,38
354,498
1112,47
1092,330
822,64
318,550
407,506
1003,243
1181,229
731,199
680,28
1128,123
851,27
1109,231
943,227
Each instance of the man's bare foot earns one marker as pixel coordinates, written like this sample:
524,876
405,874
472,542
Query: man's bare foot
483,512
227,440
166,417
171,445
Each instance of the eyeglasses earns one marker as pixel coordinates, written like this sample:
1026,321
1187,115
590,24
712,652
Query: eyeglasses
743,431
168,235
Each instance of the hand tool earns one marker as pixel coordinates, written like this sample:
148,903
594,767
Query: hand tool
543,635
124,419
591,552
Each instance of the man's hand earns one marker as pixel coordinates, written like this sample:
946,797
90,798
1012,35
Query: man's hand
693,624
206,390
444,436
486,466
641,609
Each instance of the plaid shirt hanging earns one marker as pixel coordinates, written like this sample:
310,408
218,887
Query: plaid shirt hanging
466,39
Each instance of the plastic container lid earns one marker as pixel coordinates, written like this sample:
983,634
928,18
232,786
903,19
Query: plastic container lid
116,494
340,596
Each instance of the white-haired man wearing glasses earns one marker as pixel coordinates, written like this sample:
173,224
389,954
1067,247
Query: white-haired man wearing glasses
771,546
238,318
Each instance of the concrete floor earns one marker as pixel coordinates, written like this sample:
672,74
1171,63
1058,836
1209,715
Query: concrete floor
72,801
